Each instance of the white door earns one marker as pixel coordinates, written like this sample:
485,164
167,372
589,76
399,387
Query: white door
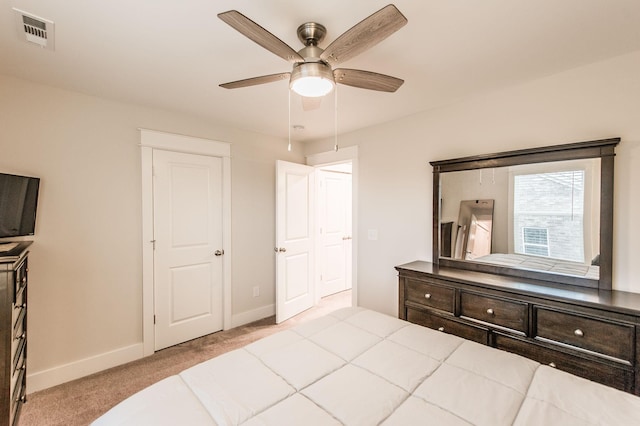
335,232
295,192
188,271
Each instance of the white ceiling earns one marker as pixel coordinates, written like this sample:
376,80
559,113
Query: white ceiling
173,54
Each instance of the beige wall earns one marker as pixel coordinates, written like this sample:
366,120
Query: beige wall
597,101
85,294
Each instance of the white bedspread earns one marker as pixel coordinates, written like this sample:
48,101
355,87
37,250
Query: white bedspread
539,263
360,367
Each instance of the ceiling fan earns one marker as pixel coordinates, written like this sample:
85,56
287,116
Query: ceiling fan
312,74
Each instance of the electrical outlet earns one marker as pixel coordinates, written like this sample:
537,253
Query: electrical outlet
256,291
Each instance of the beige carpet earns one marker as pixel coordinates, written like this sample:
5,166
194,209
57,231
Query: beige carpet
81,401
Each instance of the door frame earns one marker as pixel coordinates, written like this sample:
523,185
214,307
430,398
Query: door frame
345,155
150,140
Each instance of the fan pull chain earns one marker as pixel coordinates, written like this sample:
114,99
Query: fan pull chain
289,146
335,118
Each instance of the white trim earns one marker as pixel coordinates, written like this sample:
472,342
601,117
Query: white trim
343,155
348,153
54,376
253,315
148,332
226,243
182,143
150,140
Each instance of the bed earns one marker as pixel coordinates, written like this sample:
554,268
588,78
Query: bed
538,263
360,367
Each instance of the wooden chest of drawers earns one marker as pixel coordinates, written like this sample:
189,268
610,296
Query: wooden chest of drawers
590,333
13,332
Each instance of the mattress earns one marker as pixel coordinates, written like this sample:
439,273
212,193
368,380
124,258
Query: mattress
360,367
538,263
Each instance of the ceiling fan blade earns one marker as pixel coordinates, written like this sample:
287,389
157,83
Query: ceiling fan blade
264,38
309,104
367,80
364,35
254,81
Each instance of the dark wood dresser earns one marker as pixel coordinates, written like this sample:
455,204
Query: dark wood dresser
588,332
13,331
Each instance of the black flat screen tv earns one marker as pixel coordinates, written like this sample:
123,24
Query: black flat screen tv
18,203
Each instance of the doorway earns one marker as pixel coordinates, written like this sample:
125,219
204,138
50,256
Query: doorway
335,240
215,158
297,194
343,160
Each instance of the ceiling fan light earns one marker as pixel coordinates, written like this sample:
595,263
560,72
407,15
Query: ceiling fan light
312,80
312,87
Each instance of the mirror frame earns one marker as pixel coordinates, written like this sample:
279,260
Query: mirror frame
603,149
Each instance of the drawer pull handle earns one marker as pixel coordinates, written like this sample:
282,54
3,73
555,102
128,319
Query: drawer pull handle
427,296
552,364
490,311
578,332
440,328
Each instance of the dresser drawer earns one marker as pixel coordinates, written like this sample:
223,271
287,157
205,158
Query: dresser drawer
449,325
609,373
18,397
19,332
20,280
20,366
18,355
430,295
18,314
502,312
592,334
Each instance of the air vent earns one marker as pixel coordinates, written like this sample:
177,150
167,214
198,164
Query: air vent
34,29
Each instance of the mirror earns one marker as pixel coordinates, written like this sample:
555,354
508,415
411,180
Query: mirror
544,213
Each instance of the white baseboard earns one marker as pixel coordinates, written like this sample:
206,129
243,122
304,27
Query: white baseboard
254,315
44,379
57,375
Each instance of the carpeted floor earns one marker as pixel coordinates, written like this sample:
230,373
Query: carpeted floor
81,401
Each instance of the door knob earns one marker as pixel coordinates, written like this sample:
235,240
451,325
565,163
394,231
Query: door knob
279,249
219,252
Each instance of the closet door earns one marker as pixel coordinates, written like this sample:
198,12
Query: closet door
188,267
